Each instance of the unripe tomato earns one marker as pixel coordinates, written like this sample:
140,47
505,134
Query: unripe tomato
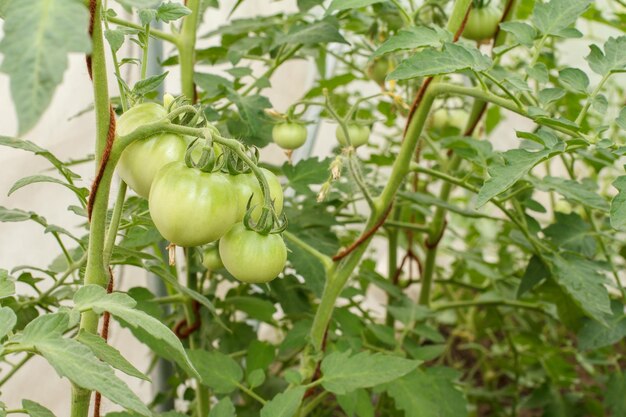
252,257
247,185
359,134
141,160
482,23
443,118
211,258
190,207
289,135
377,70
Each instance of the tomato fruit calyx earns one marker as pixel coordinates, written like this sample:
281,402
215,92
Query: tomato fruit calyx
234,164
265,223
208,160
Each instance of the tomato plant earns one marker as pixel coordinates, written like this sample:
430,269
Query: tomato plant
469,261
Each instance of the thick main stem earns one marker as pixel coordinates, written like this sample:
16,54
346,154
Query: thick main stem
95,272
336,280
187,50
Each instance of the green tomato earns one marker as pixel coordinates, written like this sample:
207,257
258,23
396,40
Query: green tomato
359,134
378,70
289,135
247,185
142,159
211,258
482,23
443,118
190,207
252,257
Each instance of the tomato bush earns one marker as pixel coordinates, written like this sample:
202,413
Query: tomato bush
467,260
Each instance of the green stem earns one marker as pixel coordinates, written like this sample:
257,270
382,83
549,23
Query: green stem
251,393
337,279
109,243
144,56
325,260
406,18
310,406
406,225
594,94
488,303
438,225
15,368
153,32
187,49
95,272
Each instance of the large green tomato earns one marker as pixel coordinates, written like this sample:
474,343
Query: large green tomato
247,185
211,258
359,134
252,257
378,69
443,118
482,23
190,207
141,160
289,135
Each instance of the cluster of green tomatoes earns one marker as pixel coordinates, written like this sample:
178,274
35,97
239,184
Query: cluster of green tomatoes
200,192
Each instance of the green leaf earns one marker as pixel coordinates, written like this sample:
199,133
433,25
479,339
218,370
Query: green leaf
145,327
553,17
4,4
594,335
217,370
259,356
356,404
36,410
38,35
612,59
254,307
109,354
549,95
224,408
413,38
615,398
168,12
582,281
427,394
307,172
343,373
337,5
284,404
430,61
257,128
517,163
618,204
115,37
523,32
166,275
573,191
76,362
8,319
571,232
574,79
621,119
322,31
7,286
149,84
80,192
37,150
